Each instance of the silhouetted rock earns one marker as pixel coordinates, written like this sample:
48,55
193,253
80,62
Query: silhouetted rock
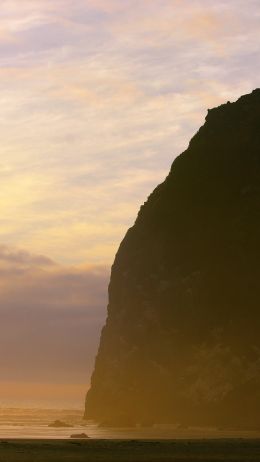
79,436
182,339
59,424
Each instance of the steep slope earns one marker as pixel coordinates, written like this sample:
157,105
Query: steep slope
182,338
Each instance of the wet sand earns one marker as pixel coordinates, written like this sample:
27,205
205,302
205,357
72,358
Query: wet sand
235,450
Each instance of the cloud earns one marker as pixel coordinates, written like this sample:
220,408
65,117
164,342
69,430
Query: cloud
50,319
97,98
22,259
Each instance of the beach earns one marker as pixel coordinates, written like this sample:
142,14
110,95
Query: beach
238,450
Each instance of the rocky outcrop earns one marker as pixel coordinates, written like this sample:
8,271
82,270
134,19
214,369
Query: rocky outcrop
182,339
59,424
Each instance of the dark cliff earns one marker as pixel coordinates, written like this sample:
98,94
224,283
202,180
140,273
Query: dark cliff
182,339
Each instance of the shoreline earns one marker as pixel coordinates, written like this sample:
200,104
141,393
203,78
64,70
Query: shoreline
130,450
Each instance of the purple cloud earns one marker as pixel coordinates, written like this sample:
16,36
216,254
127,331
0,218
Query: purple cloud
50,318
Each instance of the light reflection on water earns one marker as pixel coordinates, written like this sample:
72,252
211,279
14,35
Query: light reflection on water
33,423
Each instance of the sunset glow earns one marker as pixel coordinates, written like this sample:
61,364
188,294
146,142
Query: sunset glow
97,99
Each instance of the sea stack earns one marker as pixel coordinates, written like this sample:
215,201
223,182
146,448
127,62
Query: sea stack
181,342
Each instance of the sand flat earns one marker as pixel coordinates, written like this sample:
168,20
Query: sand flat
238,450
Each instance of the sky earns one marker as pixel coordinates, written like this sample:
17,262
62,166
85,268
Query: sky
97,97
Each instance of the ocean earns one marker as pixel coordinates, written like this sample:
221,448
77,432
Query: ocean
34,424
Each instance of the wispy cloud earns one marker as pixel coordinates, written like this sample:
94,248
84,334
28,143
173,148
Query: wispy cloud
97,98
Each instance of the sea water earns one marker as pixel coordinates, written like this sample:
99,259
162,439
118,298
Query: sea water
34,424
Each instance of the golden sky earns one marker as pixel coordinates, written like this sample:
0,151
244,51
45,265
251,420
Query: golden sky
97,98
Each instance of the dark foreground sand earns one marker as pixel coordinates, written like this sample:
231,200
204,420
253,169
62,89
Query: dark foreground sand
238,450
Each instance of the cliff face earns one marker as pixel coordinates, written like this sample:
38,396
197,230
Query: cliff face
182,339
